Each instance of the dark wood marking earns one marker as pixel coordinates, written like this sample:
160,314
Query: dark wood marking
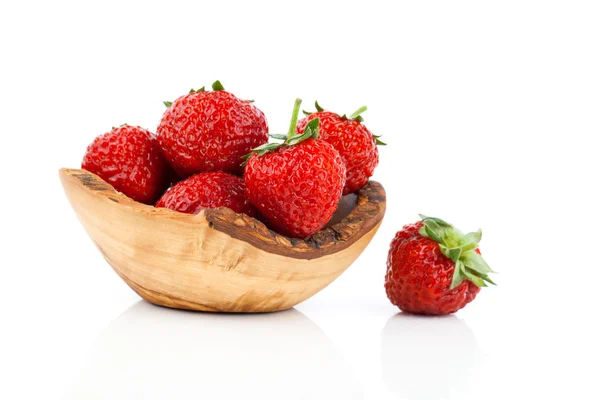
369,211
95,183
91,181
345,207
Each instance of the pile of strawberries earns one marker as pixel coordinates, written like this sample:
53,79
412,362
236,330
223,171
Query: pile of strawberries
211,149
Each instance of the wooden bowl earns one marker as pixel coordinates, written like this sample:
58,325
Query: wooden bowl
217,260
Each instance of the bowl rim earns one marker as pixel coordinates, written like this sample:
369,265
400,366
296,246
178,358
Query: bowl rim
366,215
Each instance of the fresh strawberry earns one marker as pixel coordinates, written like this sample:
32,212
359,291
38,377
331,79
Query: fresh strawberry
208,190
210,131
296,185
351,138
433,268
130,159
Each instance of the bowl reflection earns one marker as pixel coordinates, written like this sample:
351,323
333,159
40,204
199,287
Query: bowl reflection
151,352
429,357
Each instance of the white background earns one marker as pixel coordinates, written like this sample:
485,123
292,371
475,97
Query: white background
491,111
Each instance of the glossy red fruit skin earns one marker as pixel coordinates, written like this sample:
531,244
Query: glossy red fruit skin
353,141
210,131
296,188
130,159
208,190
418,276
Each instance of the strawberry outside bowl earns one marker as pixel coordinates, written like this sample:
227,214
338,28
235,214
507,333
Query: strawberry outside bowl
218,260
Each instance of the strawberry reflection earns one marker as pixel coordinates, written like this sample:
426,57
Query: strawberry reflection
429,357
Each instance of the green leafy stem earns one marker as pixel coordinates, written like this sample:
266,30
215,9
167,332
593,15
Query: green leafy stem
311,131
461,249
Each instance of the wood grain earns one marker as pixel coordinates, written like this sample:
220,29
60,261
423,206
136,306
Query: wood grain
217,260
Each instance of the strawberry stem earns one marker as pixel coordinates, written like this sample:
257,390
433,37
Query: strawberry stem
358,112
311,131
292,131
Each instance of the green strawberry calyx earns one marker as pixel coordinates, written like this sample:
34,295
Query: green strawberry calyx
460,248
311,131
202,89
355,116
216,86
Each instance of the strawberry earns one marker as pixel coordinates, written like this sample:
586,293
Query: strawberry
296,185
210,131
208,190
433,268
130,159
351,138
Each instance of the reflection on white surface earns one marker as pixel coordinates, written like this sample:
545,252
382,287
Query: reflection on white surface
157,353
429,357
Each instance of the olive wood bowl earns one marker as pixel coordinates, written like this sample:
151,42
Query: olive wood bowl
217,260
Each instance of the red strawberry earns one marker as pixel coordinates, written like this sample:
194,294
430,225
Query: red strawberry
355,143
210,131
433,268
296,185
130,159
208,190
